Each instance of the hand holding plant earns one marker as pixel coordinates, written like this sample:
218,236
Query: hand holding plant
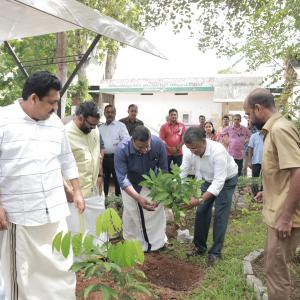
171,190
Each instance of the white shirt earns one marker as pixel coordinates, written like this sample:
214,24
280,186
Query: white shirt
215,166
112,134
33,157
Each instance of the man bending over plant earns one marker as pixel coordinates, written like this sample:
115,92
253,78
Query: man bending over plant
143,219
213,163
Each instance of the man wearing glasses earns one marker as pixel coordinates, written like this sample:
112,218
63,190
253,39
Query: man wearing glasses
143,220
84,137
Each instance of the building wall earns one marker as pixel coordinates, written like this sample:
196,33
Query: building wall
153,109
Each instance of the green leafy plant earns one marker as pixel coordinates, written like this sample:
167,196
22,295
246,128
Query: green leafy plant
171,190
113,261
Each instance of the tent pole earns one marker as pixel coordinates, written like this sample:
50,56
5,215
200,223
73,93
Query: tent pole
16,59
78,66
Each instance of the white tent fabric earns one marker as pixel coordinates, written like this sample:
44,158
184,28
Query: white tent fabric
26,18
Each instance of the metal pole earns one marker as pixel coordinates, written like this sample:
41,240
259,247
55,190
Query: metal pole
74,73
15,57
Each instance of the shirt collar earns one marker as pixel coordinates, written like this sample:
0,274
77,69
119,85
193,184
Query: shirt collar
20,111
269,124
75,127
111,123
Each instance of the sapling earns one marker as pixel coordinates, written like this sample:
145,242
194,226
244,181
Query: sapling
171,190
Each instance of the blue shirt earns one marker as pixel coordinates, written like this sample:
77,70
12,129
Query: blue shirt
130,165
256,142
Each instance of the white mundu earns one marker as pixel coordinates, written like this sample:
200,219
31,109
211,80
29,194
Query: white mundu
148,227
33,157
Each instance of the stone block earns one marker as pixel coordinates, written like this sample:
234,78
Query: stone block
247,267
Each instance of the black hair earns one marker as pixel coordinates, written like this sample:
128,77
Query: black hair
40,83
238,115
261,96
108,106
213,128
194,134
225,117
202,116
132,105
88,109
141,133
173,110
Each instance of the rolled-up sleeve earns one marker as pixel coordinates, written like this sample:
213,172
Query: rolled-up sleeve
186,166
220,173
67,162
121,167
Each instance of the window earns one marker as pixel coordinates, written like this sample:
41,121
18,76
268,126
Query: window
185,118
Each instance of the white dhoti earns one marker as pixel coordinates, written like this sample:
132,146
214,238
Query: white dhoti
94,206
30,269
148,227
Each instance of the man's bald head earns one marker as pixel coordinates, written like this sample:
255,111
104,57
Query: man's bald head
262,97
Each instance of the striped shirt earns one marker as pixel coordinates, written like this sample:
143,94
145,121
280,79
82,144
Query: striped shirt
34,155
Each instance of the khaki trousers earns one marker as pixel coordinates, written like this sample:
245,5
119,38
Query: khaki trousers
279,253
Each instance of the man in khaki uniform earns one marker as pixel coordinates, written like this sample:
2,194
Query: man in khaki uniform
281,195
84,139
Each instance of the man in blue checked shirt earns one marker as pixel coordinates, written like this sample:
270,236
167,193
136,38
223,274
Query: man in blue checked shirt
143,220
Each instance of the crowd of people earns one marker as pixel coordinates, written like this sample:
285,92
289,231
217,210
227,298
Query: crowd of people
52,177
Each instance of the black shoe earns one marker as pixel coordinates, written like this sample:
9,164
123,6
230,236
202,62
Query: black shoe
195,252
212,260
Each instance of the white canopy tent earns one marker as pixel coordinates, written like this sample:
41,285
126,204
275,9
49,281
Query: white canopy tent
26,18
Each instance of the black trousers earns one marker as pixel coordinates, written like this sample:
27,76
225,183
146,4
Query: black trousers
108,170
177,160
239,162
256,170
204,214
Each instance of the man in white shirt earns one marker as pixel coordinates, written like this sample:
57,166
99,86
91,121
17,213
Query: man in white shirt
211,161
34,155
112,133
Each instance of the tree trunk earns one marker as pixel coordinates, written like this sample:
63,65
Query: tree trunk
61,65
110,65
110,68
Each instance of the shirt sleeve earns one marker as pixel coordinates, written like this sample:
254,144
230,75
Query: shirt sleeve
124,132
248,133
186,166
121,167
220,173
162,134
287,143
163,158
102,146
67,162
251,141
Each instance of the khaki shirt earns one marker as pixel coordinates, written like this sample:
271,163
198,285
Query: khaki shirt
281,153
86,151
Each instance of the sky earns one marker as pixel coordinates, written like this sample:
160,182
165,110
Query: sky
183,59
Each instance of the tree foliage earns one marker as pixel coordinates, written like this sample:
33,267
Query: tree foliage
38,53
260,30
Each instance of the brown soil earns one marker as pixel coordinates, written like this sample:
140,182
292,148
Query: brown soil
169,278
258,269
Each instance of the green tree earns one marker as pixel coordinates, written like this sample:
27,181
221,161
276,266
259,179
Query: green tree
40,53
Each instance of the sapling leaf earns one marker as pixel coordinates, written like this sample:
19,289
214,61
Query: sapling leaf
88,243
77,244
66,244
57,242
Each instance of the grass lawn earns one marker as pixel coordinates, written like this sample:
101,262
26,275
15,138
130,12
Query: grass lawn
246,232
